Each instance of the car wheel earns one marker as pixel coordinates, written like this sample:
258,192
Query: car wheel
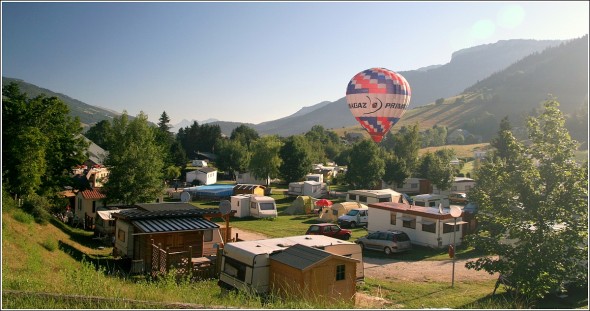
362,246
387,251
353,224
346,237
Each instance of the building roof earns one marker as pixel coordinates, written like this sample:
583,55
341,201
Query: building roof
139,214
430,212
304,257
93,194
166,206
248,187
206,170
173,224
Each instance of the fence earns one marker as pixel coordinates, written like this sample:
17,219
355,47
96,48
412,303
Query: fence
197,268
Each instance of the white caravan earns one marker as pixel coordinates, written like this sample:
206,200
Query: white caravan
431,200
253,205
245,265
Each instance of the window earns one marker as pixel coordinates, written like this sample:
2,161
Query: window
414,186
448,227
94,206
252,205
352,197
79,204
429,226
419,203
362,198
392,218
385,199
454,188
234,268
340,272
267,206
409,223
314,229
208,235
121,235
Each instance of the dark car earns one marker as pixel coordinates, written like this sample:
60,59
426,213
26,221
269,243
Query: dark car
330,230
386,241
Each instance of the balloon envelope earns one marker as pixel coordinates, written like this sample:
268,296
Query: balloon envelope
378,98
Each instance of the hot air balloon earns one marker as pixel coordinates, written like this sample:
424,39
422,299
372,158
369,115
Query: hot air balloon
378,98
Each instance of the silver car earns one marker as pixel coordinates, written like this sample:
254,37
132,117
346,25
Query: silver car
386,241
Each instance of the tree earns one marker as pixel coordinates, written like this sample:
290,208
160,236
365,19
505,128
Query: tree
503,141
99,132
396,171
296,159
533,209
265,160
45,123
135,162
232,156
437,168
366,167
244,134
164,124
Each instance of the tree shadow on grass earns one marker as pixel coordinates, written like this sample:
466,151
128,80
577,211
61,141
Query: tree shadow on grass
84,238
106,262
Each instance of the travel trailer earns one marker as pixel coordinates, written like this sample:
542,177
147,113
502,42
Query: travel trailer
375,196
257,206
431,200
245,265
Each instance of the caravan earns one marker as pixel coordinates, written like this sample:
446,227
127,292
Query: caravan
431,200
245,265
375,196
257,206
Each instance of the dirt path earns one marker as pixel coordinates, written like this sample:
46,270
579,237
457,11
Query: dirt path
425,270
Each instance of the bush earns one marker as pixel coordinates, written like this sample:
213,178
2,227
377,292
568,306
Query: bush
50,244
38,207
22,217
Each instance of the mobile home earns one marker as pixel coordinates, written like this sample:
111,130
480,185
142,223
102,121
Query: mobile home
245,265
375,196
426,226
309,188
431,200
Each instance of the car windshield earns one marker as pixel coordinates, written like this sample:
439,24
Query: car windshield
352,213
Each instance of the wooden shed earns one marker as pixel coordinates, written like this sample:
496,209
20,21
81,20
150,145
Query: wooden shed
249,189
173,230
305,272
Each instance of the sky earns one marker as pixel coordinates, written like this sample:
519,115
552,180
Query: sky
250,61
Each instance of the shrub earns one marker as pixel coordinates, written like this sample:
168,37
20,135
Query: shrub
37,206
22,217
50,244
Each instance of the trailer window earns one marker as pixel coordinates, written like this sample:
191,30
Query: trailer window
362,198
384,199
393,218
352,197
267,206
234,268
409,223
208,235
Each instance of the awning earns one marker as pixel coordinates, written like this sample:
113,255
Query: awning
458,223
174,224
406,218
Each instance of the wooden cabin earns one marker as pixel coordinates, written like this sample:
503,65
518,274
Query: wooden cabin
313,274
249,189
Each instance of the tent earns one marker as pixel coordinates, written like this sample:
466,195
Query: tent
331,213
301,205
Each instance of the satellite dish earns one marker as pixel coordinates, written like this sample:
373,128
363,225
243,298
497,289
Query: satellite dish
455,211
224,207
185,197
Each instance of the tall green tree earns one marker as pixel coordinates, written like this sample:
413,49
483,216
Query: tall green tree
164,122
135,162
232,156
265,160
504,139
296,159
366,167
396,171
437,168
244,134
533,209
45,123
99,132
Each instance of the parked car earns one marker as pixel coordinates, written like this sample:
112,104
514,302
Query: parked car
458,198
330,230
386,241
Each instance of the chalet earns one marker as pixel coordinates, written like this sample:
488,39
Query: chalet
410,186
87,203
178,228
311,273
204,176
426,226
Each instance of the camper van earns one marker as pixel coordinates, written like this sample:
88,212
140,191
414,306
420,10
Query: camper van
431,200
245,265
375,196
257,206
356,217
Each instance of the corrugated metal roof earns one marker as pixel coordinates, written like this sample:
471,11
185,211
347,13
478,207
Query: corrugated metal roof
173,224
137,214
300,256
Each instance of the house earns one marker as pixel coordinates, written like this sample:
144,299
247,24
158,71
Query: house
305,272
411,186
426,226
248,178
90,176
171,227
96,155
105,222
87,203
204,176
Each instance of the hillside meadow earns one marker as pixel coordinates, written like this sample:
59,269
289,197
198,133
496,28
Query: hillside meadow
54,266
